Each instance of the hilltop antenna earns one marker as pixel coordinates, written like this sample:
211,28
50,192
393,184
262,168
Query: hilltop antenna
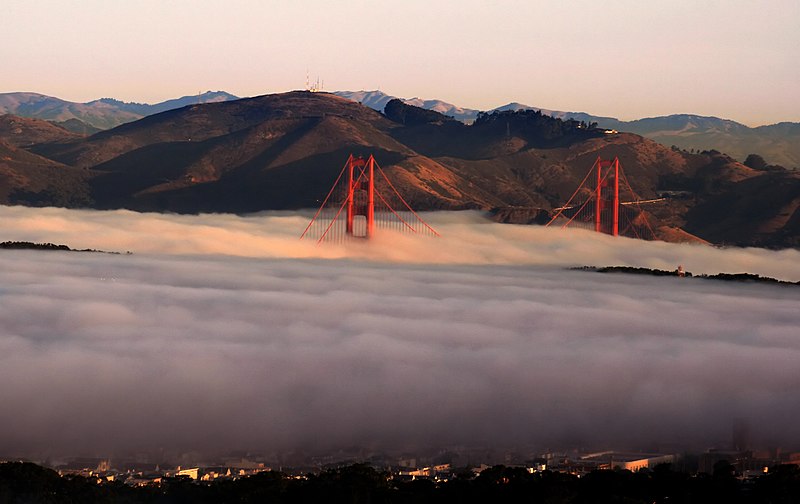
313,87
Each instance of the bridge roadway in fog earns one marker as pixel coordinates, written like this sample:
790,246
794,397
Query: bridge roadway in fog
639,202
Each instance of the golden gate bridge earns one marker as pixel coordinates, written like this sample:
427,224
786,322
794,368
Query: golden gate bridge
362,200
599,208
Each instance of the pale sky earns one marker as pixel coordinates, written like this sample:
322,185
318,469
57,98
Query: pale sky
628,59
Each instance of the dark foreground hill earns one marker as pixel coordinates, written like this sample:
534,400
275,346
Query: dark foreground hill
284,151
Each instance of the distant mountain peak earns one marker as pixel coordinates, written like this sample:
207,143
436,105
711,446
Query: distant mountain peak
103,113
779,143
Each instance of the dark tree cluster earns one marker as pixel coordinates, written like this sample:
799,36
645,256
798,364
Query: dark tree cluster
754,161
409,115
631,270
23,245
361,484
757,162
19,245
728,277
533,124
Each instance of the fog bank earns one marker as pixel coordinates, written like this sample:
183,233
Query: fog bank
467,238
225,332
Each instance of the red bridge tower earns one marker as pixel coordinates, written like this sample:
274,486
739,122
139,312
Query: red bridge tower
361,194
369,202
599,207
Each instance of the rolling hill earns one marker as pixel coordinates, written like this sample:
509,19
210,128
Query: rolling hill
99,114
24,132
28,179
283,151
778,143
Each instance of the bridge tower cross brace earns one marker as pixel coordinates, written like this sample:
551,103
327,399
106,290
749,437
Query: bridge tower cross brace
361,194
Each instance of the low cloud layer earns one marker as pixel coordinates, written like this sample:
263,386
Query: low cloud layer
225,332
467,238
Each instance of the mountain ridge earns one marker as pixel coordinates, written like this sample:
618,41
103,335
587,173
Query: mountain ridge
779,142
103,113
283,151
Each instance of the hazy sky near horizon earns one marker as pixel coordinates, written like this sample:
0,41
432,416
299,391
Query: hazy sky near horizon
734,59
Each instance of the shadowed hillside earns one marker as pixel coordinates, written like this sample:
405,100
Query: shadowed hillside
284,151
28,179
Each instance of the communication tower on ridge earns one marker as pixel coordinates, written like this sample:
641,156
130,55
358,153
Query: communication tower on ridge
316,86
